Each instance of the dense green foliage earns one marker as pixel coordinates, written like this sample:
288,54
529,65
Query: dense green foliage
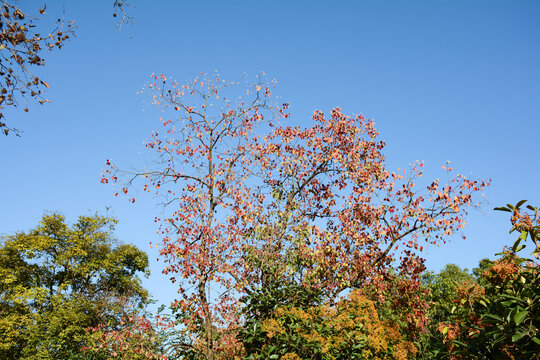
499,316
495,313
442,296
261,306
57,280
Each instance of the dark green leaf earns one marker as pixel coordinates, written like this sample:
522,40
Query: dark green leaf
459,343
493,316
520,316
516,244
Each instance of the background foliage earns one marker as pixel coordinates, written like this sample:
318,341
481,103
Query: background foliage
57,280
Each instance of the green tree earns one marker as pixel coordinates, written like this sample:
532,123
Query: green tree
503,321
58,280
444,292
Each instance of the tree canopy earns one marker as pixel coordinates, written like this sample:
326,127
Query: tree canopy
57,280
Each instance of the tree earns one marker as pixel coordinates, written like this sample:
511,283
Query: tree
21,48
248,200
502,321
446,290
57,280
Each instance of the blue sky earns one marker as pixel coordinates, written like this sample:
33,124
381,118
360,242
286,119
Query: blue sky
444,80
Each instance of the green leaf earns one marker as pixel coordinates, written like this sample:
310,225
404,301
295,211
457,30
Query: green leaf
518,336
509,315
459,343
502,209
520,203
507,296
516,244
520,316
536,340
493,316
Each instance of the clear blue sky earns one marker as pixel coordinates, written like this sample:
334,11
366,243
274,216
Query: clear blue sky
444,80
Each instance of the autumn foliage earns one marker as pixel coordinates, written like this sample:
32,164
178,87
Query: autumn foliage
23,47
350,329
134,337
252,200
